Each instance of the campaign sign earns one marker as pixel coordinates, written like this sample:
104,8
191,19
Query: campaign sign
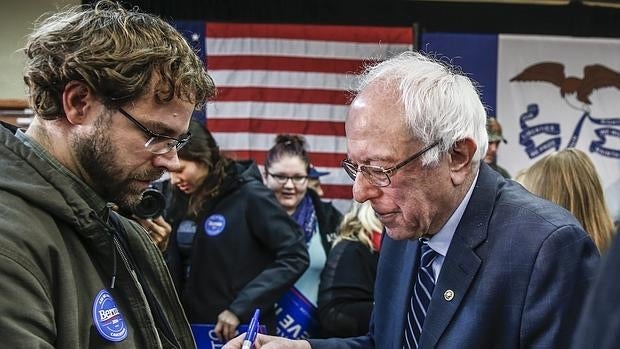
295,316
204,335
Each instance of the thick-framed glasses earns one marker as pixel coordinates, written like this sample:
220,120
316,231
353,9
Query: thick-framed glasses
158,143
282,179
378,175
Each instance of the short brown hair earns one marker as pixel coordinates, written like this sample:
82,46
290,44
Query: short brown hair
117,53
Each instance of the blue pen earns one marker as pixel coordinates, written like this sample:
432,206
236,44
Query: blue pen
250,336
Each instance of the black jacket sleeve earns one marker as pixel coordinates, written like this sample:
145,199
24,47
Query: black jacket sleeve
273,227
346,291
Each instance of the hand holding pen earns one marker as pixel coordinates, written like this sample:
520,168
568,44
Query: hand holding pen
250,336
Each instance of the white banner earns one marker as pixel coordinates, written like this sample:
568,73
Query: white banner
559,92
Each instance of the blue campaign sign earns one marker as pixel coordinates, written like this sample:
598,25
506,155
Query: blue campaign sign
295,316
204,335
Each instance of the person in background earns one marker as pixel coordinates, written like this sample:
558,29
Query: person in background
469,259
494,132
314,180
568,178
112,91
286,173
348,279
234,248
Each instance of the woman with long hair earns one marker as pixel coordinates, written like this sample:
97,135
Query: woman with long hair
233,248
568,178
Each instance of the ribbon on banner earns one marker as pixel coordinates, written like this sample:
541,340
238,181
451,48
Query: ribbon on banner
597,145
527,132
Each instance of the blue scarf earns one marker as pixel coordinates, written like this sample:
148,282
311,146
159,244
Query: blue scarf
305,216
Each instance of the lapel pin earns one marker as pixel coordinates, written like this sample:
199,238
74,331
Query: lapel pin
448,295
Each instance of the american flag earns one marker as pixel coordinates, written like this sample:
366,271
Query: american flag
289,78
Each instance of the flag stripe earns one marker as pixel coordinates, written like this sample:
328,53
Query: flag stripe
254,62
279,111
318,159
284,95
299,48
264,141
277,126
311,32
283,79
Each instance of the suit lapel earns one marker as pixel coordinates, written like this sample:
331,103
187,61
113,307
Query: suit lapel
461,263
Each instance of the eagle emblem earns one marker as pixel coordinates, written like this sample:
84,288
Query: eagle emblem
595,76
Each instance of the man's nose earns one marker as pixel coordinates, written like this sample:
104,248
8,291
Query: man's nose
169,161
363,190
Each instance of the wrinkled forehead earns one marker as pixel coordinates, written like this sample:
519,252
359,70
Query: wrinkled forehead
375,128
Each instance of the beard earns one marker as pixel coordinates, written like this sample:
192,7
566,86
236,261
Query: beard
99,160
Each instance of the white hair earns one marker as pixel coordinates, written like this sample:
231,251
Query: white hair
439,103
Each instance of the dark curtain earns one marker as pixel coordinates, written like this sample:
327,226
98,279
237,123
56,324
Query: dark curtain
574,19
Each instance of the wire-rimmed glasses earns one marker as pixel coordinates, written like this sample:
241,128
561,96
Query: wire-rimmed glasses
378,175
157,143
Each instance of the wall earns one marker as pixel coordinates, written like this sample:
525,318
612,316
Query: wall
16,18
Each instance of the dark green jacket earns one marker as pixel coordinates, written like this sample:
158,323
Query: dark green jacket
58,258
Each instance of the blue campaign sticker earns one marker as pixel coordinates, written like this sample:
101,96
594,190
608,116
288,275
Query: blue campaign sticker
107,318
215,224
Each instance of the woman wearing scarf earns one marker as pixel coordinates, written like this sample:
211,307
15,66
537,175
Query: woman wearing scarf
286,173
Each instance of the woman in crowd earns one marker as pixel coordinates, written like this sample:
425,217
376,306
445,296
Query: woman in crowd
233,248
286,173
568,178
348,279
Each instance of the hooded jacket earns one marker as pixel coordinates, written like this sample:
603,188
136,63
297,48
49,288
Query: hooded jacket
244,250
73,277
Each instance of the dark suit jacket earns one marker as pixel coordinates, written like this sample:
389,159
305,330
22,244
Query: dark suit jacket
599,326
519,268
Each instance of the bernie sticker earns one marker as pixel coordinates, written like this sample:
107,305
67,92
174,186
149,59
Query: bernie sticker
107,318
215,224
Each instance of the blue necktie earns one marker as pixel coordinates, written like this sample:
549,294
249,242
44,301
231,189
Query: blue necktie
421,296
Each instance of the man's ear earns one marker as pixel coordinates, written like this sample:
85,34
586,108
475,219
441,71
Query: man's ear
461,156
75,101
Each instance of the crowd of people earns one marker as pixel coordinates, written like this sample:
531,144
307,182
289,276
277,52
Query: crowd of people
441,249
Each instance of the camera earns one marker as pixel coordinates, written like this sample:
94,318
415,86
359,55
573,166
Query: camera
151,205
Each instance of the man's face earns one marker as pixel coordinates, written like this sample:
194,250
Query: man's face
112,157
491,152
419,199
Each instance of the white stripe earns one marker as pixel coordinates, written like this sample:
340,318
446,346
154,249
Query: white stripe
419,301
277,111
284,79
301,48
264,141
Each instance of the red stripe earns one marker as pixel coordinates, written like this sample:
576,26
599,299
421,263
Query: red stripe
363,34
337,191
317,159
283,95
299,64
323,128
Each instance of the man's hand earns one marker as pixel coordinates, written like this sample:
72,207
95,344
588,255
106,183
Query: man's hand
268,342
226,327
158,229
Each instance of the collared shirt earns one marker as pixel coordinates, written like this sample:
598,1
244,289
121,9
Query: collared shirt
440,242
93,200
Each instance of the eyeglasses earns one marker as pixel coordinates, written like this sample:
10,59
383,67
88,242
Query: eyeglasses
377,175
158,144
282,179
